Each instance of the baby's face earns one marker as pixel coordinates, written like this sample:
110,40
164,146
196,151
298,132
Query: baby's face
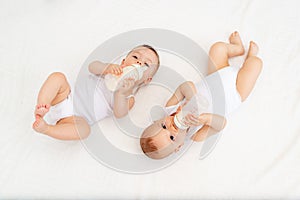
165,137
144,57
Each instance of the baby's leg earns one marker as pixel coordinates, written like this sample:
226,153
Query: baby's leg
249,72
220,52
54,90
69,128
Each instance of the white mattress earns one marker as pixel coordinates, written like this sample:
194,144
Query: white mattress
257,155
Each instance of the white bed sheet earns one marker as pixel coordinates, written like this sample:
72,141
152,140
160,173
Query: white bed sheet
258,153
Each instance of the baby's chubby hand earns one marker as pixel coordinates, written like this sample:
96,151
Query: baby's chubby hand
113,69
194,120
127,86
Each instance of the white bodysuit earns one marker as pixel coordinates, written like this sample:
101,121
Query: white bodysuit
219,88
89,98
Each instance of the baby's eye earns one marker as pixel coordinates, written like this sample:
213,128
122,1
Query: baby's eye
163,126
172,137
135,57
147,64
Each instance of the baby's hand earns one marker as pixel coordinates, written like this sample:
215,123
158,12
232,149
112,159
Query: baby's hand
193,120
127,86
113,69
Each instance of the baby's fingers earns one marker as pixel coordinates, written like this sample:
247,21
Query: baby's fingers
116,70
192,120
119,70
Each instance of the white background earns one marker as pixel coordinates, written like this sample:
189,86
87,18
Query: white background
258,155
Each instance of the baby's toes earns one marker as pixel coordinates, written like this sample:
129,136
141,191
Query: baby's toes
41,110
234,34
35,124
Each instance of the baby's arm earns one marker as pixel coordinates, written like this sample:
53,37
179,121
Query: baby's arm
122,102
100,68
203,133
212,124
185,90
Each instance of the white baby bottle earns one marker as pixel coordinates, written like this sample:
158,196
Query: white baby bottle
197,105
134,71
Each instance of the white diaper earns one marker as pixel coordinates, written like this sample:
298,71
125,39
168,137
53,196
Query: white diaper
228,77
60,111
232,96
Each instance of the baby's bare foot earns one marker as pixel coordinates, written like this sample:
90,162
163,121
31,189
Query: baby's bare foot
253,49
41,110
235,40
40,125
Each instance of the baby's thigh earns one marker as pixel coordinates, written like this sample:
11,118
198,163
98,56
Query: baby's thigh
248,75
218,57
64,89
76,126
82,127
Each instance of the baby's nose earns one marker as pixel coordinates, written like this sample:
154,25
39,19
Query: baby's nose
139,62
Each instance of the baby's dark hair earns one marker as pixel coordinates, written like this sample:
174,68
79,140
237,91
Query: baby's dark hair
148,145
148,47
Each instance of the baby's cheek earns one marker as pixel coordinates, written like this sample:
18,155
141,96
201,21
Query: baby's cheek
128,62
152,71
147,73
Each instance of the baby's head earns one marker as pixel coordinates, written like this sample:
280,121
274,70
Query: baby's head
162,138
143,55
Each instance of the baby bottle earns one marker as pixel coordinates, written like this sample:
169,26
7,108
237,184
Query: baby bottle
197,105
134,71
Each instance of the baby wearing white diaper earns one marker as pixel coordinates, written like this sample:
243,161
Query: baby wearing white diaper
69,113
163,137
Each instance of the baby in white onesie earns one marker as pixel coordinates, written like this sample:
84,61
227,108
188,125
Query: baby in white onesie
164,136
69,113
